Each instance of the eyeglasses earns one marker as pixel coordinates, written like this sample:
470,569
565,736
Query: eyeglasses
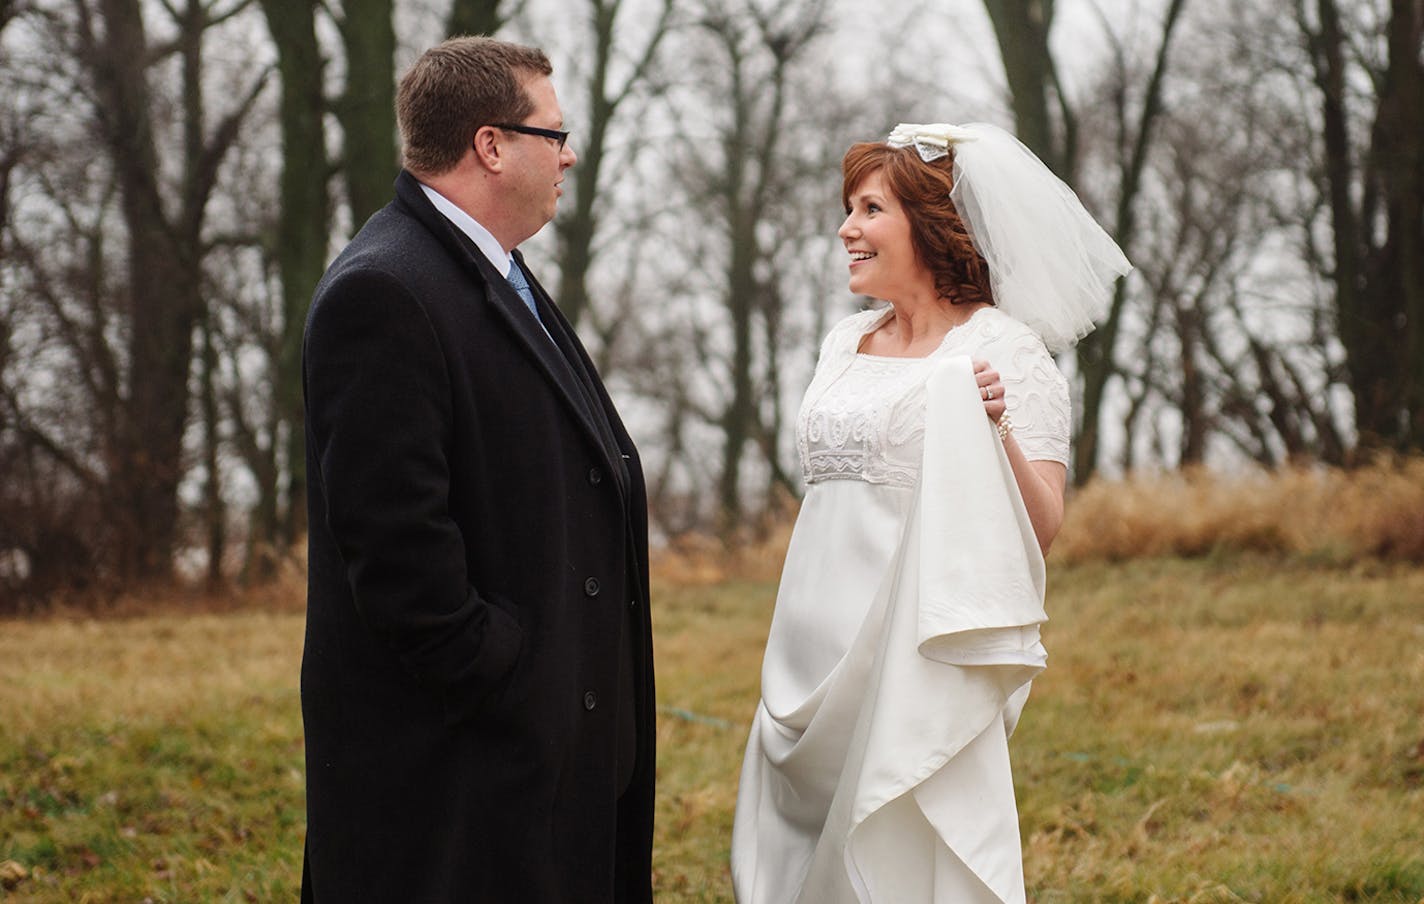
556,135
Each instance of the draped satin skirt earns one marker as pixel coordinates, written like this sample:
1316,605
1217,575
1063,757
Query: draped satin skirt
905,638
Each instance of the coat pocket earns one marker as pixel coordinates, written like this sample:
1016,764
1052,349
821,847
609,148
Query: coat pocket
496,664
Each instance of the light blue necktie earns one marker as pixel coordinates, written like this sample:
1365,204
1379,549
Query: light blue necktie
520,282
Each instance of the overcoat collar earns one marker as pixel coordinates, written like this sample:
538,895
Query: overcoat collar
510,308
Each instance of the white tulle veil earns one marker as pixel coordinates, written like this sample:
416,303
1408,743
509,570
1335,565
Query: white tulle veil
1051,266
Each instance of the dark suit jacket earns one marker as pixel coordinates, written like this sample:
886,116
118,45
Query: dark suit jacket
477,683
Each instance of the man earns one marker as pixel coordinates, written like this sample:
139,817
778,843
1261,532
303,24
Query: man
477,684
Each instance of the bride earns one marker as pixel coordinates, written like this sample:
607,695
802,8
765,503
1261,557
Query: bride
934,443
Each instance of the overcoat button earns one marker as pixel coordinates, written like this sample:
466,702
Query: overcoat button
590,700
595,476
632,604
590,587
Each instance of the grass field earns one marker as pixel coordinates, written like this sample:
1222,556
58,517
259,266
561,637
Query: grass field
1214,729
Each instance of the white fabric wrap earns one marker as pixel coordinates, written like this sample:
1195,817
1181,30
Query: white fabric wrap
933,684
981,579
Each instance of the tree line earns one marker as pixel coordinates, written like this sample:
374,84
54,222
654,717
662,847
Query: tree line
176,174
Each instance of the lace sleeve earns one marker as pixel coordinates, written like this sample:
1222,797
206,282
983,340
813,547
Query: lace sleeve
1036,393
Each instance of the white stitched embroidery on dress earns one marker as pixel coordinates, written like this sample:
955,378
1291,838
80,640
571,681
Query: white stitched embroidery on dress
869,424
863,416
1036,393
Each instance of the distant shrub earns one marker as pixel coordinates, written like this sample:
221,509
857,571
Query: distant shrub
1330,514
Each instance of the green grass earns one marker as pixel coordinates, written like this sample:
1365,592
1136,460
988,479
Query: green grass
1228,731
151,759
1211,730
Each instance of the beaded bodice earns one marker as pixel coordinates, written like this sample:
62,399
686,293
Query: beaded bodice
863,417
870,423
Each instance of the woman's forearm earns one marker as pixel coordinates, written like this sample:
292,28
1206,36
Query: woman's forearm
1041,483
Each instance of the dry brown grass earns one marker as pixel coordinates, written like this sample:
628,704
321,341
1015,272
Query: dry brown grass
697,560
284,591
1322,515
1326,515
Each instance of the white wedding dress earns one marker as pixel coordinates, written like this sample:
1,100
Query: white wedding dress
905,633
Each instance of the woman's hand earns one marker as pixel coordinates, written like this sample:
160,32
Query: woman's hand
991,391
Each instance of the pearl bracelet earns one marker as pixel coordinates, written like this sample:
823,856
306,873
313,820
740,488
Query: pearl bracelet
1005,426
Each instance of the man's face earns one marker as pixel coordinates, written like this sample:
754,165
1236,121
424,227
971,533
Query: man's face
538,164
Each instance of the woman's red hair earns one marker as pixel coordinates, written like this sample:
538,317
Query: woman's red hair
938,235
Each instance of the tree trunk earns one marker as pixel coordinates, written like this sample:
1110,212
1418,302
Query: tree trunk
1357,329
747,173
577,228
1097,361
1022,27
473,17
302,228
740,292
163,304
751,170
367,109
1195,421
1379,287
214,508
1400,160
165,266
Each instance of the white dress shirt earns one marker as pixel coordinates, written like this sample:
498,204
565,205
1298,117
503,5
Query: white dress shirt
472,228
483,240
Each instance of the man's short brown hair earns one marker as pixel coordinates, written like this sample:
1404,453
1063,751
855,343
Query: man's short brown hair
454,88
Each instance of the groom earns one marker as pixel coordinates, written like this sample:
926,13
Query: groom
477,685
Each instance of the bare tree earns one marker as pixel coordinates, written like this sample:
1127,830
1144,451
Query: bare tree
577,229
1022,28
164,249
736,178
1227,329
1374,183
111,255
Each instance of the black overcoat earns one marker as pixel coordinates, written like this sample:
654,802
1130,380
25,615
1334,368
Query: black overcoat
477,682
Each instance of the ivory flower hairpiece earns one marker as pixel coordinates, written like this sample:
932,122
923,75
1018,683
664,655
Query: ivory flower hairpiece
931,141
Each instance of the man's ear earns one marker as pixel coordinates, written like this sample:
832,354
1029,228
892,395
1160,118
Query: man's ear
487,149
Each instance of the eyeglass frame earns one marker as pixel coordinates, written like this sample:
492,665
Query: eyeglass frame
560,136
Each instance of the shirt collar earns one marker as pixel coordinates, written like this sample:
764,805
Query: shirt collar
472,228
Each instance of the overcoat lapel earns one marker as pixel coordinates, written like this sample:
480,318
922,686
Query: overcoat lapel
562,332
511,308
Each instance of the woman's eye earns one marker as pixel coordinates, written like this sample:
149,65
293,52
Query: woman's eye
872,208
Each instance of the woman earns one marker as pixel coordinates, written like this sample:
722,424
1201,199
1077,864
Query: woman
934,442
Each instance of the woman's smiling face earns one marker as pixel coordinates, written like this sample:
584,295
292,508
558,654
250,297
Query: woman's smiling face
876,234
